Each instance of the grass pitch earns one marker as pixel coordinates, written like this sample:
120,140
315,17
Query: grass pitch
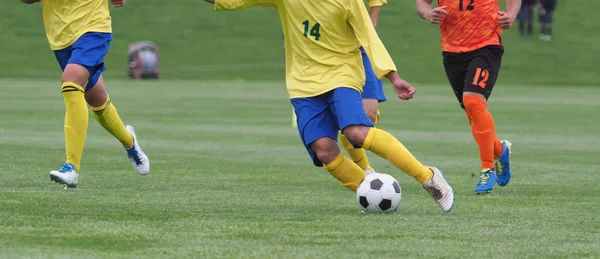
230,178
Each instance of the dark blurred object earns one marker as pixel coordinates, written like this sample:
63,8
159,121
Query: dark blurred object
547,8
143,61
525,17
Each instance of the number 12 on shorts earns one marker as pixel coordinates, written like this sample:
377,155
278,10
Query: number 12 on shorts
470,6
314,31
481,77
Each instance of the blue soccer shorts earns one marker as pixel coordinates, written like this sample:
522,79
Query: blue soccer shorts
373,88
324,115
89,51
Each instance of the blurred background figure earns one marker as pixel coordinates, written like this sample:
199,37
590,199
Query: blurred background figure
547,8
525,17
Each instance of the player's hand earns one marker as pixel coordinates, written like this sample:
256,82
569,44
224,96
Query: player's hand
506,20
404,90
118,3
437,14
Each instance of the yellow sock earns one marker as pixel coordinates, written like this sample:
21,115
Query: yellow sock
346,172
359,155
389,148
76,122
108,117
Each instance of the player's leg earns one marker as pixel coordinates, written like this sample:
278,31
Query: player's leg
545,21
358,128
358,154
106,114
548,23
318,132
529,20
74,79
481,75
90,50
372,95
521,19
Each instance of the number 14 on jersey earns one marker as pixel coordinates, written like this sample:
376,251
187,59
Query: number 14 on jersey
314,31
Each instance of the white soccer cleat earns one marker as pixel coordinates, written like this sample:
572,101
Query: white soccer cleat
66,175
139,160
440,190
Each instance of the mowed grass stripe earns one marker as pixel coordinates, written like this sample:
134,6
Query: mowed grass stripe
230,178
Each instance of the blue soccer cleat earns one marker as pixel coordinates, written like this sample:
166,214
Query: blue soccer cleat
487,180
503,164
66,175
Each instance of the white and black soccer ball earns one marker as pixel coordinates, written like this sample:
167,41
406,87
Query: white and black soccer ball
379,193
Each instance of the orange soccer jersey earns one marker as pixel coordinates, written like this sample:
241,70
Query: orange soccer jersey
470,25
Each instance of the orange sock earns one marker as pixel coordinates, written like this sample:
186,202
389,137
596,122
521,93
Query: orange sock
482,127
498,149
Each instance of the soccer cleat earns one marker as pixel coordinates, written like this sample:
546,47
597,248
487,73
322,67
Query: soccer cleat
503,164
487,180
139,160
440,190
66,175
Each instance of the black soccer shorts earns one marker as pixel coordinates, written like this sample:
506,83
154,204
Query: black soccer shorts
474,71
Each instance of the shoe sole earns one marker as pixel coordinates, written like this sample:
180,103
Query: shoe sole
60,181
483,192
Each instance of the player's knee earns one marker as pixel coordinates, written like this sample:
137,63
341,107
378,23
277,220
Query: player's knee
75,73
97,95
326,150
356,134
472,99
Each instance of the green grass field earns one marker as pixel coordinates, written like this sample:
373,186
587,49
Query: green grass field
230,178
197,42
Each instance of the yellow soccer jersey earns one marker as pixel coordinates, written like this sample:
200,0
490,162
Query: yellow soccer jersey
322,40
372,3
67,20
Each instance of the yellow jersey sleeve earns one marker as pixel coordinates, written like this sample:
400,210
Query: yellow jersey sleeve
372,3
362,26
66,21
230,5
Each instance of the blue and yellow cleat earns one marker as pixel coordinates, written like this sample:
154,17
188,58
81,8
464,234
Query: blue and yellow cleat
487,180
503,164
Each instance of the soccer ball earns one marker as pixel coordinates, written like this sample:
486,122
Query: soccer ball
379,193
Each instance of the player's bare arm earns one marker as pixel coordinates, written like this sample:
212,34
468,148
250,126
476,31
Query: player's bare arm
507,18
434,15
374,12
30,1
118,3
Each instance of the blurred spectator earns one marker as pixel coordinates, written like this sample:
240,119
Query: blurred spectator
525,17
547,8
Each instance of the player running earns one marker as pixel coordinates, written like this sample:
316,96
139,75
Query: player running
324,78
372,94
79,33
472,50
